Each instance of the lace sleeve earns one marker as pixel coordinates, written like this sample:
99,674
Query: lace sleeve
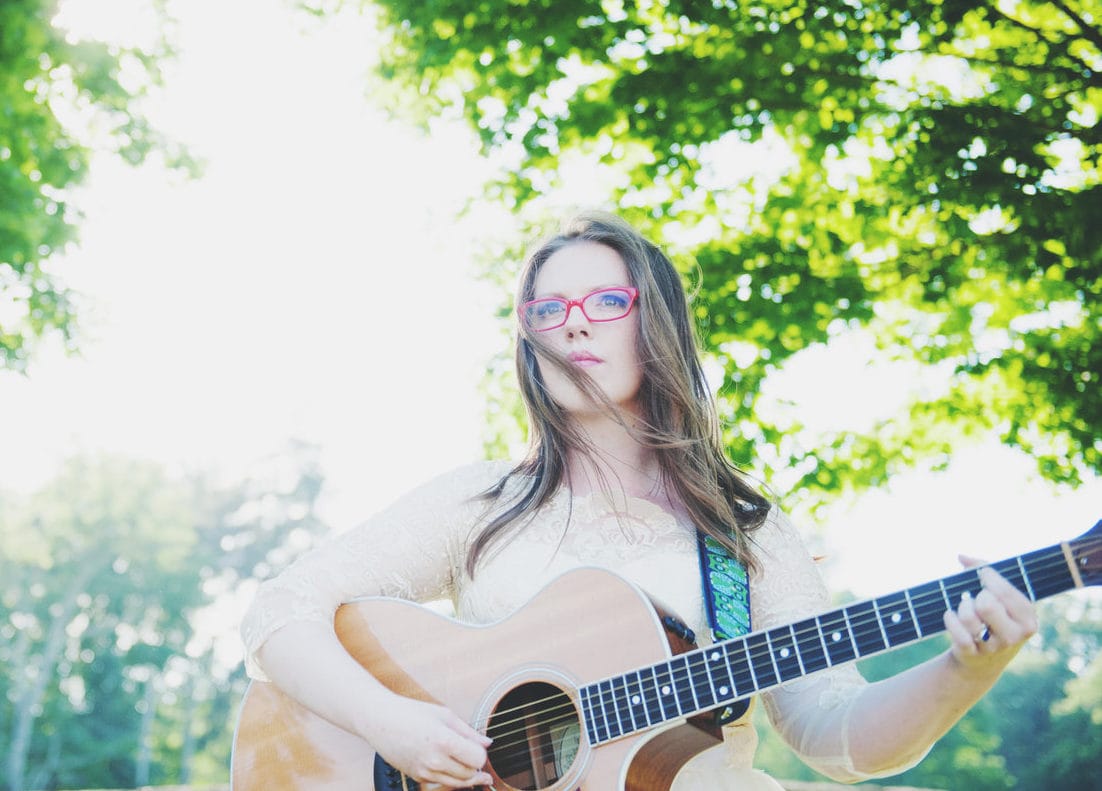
811,714
411,550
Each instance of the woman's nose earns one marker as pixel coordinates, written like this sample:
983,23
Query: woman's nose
576,320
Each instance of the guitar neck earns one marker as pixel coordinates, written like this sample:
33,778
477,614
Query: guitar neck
711,677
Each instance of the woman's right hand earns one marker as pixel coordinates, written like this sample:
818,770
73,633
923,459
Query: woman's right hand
429,743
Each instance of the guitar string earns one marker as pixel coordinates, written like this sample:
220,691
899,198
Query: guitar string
1038,574
866,618
868,624
698,675
566,714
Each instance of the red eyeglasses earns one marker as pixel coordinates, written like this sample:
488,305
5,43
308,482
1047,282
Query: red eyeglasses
605,304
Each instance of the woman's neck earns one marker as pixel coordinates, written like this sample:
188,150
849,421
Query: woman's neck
617,463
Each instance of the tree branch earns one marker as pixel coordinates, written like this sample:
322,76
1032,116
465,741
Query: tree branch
1085,29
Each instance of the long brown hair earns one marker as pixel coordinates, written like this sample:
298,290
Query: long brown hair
677,417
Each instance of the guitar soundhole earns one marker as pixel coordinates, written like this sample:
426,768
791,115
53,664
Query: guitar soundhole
536,733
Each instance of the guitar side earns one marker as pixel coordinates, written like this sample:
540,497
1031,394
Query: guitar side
559,641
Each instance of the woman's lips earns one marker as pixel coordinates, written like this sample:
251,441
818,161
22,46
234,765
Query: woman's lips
584,359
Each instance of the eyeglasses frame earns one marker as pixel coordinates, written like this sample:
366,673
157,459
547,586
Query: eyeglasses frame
631,291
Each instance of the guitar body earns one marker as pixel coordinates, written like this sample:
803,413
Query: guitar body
516,680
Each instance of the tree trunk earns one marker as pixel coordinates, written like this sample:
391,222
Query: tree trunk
145,734
187,751
25,706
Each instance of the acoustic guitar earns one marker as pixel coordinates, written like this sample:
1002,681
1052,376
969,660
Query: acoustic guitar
591,686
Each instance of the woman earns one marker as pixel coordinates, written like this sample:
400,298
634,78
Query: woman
625,466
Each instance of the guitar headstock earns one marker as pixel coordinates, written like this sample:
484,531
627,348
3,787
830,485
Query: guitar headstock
1086,553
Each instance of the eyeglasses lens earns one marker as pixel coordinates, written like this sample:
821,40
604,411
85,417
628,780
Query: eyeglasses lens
605,305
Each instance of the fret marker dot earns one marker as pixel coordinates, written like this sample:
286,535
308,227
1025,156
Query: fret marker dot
714,656
896,617
635,699
836,637
784,653
665,690
723,690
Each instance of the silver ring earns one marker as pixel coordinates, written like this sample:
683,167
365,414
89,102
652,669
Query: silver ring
983,636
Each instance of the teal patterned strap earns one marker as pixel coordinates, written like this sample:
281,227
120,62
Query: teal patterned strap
727,602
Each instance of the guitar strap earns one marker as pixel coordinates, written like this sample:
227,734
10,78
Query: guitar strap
726,587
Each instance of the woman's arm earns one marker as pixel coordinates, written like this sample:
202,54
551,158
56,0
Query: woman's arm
851,730
427,742
921,704
413,550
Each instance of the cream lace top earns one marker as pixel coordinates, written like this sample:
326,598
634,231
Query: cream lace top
416,549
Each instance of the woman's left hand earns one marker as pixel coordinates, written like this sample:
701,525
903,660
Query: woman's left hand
988,630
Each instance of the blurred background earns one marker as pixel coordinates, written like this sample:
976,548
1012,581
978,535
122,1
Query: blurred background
256,261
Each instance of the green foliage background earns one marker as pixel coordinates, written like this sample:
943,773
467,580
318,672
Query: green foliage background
939,191
111,675
60,97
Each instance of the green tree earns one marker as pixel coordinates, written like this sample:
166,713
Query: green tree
937,187
108,677
60,97
1066,714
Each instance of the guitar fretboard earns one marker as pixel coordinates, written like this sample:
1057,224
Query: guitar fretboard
711,677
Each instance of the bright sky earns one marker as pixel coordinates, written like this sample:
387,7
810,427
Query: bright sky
288,293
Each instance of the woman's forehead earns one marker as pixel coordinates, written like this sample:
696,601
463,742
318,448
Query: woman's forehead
580,267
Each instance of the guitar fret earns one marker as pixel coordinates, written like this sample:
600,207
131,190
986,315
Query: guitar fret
898,625
637,701
838,648
705,692
652,688
796,649
1013,574
666,696
945,595
929,604
911,610
614,703
1057,576
709,660
605,688
724,691
783,653
866,628
761,660
849,631
822,640
741,672
621,705
648,700
880,622
773,656
1025,579
654,704
590,715
683,685
606,723
810,645
964,583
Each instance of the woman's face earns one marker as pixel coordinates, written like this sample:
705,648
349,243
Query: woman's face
605,350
